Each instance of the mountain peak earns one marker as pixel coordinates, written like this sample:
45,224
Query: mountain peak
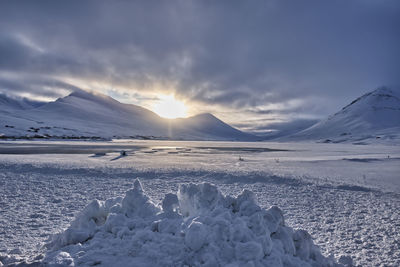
383,90
89,95
205,116
79,93
379,94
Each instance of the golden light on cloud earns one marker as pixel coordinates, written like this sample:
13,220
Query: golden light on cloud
168,107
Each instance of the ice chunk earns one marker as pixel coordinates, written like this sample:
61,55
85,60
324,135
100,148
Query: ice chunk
136,203
303,244
249,251
63,259
195,235
195,199
170,203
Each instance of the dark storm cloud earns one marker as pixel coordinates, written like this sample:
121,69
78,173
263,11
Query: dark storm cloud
13,54
236,54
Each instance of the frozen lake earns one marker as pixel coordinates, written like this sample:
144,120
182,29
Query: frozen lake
371,166
346,196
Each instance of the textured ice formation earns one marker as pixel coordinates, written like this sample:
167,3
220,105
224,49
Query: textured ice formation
198,226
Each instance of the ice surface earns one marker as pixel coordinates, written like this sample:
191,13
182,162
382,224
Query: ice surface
198,226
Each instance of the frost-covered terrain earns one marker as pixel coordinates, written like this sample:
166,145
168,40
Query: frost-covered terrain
345,196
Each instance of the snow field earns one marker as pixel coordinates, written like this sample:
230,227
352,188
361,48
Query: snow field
40,201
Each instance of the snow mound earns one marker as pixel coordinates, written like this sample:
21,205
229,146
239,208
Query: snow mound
198,226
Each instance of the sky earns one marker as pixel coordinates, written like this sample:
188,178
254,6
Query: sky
258,65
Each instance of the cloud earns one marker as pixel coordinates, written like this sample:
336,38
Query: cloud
35,87
230,55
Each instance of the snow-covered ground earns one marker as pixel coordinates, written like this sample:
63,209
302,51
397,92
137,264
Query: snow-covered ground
345,196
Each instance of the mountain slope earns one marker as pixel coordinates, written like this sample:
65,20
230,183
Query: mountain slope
207,125
96,115
375,115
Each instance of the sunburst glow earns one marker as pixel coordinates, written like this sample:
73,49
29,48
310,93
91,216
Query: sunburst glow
168,107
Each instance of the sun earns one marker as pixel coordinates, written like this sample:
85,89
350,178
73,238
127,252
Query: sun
168,107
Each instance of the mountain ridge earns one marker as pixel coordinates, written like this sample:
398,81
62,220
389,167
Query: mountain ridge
87,114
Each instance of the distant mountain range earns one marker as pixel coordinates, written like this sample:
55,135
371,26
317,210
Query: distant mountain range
373,116
91,115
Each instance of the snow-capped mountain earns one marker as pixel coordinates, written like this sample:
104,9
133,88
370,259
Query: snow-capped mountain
84,114
373,116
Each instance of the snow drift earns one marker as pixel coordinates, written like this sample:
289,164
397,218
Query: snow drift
198,226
